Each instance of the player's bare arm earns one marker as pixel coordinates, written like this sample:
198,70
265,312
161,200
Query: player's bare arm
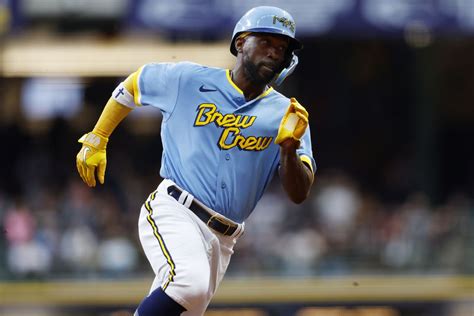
296,171
296,176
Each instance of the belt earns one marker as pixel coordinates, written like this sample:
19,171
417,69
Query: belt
217,223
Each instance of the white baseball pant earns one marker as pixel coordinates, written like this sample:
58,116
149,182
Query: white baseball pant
189,259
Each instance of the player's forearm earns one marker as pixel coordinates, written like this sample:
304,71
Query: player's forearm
295,176
114,112
110,118
92,157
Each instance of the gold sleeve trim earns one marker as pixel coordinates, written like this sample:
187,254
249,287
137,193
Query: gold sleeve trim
136,87
307,161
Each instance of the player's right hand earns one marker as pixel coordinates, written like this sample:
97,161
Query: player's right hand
92,158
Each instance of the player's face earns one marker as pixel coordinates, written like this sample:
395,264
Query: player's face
263,56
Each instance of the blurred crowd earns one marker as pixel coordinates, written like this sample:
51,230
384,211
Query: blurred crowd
74,231
344,230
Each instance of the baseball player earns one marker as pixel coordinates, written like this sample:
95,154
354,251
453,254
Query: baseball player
224,134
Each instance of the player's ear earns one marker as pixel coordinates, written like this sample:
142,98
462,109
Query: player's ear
239,43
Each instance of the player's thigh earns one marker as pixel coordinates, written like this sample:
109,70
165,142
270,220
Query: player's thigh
177,251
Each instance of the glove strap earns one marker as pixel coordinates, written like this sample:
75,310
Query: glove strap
93,140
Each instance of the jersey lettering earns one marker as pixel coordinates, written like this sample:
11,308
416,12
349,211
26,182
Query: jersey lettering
232,124
208,113
250,143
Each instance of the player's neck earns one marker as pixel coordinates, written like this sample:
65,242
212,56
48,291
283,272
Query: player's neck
250,89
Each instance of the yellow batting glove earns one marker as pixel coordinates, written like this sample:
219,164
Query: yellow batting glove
294,122
91,157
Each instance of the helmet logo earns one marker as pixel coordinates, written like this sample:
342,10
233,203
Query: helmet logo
285,22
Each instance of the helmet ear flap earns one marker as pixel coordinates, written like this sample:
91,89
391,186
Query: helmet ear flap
288,58
288,70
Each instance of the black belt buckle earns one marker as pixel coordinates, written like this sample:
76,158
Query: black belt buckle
218,220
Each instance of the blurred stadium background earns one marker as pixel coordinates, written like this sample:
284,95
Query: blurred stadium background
388,229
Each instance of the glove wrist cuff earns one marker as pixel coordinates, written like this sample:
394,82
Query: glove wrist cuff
93,140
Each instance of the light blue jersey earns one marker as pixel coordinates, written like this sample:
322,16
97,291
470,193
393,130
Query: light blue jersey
216,145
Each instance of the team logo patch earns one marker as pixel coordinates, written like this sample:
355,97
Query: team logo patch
232,128
285,22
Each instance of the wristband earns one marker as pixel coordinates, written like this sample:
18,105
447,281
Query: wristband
122,96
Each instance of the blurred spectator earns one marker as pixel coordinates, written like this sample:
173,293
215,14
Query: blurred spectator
29,259
260,236
79,248
301,250
25,255
451,236
336,206
117,256
407,232
20,224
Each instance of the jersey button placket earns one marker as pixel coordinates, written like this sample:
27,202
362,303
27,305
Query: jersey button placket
227,157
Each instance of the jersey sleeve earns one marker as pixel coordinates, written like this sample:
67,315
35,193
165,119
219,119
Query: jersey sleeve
157,84
306,152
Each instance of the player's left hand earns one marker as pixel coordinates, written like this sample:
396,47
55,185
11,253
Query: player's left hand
289,129
92,158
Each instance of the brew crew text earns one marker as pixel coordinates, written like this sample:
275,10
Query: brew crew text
232,125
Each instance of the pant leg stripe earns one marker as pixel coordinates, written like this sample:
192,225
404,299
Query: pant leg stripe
158,236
